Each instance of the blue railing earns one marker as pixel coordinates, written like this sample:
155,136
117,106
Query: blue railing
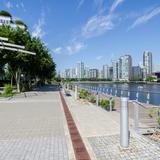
141,96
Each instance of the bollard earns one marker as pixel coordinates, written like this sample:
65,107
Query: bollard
68,86
121,93
124,123
116,93
110,104
137,96
97,99
76,92
148,97
136,117
128,94
111,92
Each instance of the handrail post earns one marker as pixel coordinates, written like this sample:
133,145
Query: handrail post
97,99
76,92
136,116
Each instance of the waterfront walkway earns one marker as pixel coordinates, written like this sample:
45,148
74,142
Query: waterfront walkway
33,126
100,130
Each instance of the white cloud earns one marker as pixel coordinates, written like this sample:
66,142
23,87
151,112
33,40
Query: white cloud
100,24
8,5
145,18
57,50
80,3
97,25
99,58
115,4
38,28
97,3
22,6
75,47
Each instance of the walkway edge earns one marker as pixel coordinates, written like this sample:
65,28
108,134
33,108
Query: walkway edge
80,150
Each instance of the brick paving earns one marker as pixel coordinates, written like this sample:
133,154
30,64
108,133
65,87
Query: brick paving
108,148
78,145
32,128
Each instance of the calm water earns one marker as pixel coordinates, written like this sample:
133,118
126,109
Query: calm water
145,93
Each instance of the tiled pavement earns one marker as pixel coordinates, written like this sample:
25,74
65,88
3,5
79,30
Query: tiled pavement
34,131
108,148
100,130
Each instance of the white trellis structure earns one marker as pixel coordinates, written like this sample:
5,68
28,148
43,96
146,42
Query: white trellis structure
5,45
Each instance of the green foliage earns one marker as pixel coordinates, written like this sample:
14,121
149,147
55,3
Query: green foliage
104,103
8,89
5,13
136,79
92,99
150,79
84,94
40,66
25,87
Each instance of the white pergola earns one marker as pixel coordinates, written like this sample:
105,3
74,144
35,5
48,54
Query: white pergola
5,45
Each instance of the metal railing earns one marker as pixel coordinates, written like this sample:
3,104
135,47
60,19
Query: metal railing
143,116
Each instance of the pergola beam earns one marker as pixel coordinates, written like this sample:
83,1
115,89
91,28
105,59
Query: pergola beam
16,50
13,47
3,39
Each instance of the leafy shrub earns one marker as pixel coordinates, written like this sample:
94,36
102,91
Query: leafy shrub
84,94
8,89
104,103
92,99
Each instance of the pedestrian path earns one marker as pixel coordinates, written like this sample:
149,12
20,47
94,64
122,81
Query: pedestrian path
101,133
34,131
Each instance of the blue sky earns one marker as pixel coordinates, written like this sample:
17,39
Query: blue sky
93,31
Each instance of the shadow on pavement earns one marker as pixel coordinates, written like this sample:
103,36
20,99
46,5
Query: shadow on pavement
47,88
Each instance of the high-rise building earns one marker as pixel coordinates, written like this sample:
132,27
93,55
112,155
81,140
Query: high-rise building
137,72
115,70
147,64
122,68
86,72
125,68
93,73
80,70
110,72
105,71
67,74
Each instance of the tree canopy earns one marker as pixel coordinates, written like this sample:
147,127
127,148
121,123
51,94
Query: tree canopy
39,67
5,13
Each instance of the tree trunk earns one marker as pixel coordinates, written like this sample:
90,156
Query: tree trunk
12,81
18,78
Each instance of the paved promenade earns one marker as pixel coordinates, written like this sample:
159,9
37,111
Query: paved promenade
33,127
100,130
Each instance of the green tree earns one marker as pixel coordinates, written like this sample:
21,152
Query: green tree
40,66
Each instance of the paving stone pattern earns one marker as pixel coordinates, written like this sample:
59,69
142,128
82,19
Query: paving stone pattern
108,148
33,131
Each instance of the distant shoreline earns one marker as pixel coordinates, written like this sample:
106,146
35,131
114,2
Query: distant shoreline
116,82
